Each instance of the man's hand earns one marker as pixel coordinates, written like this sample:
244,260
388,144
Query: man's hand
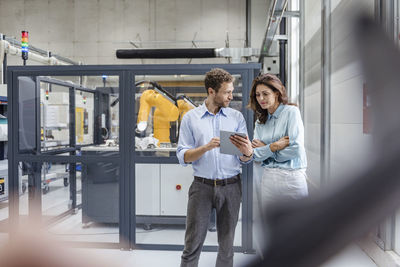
214,142
195,153
257,143
280,144
242,143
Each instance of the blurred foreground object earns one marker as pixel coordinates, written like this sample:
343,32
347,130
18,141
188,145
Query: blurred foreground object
308,232
32,248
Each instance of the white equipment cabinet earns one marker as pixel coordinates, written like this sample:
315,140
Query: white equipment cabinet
162,189
174,200
147,189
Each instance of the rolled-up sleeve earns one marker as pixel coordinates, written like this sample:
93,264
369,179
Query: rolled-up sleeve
296,138
263,152
186,140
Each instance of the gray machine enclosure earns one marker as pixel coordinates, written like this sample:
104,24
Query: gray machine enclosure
126,159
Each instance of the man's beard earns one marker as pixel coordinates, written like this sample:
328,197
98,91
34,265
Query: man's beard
220,103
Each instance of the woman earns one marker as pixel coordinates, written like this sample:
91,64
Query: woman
278,141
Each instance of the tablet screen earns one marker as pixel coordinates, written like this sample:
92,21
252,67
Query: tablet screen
226,146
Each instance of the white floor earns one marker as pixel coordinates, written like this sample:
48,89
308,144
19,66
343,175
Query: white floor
56,201
352,256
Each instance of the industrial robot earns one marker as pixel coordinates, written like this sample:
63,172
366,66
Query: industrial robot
167,109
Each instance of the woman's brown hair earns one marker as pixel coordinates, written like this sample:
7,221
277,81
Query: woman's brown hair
272,82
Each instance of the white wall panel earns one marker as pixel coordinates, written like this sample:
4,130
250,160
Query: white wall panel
350,150
312,15
347,101
350,71
313,170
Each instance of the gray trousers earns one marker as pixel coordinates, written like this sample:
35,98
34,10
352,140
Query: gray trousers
202,199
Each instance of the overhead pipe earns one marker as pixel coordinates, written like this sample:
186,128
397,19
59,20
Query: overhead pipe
167,53
234,53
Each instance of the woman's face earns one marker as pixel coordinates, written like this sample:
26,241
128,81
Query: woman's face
266,98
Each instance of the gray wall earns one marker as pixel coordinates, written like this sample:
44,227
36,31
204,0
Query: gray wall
91,30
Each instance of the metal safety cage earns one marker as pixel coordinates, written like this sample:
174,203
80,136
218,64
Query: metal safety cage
126,158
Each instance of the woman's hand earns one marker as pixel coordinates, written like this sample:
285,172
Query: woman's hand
280,144
257,143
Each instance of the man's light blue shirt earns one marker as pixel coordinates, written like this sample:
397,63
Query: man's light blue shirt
285,121
197,128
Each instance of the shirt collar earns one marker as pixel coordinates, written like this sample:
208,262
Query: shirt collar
277,112
204,110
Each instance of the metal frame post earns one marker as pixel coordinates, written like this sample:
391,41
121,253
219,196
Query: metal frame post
282,52
72,143
326,91
301,58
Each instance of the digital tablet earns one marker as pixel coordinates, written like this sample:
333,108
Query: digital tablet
226,146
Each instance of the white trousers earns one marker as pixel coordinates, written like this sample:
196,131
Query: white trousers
272,185
282,184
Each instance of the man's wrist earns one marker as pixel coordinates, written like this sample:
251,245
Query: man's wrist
248,156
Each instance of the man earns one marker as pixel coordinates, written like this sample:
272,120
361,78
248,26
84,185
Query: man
216,176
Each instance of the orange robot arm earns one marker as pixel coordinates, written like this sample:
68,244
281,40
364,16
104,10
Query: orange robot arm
184,106
166,111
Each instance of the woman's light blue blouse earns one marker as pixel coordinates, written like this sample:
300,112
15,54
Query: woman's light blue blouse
286,121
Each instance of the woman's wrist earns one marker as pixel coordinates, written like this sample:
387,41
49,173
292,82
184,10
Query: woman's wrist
273,147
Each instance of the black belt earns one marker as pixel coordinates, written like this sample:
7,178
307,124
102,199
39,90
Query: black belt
216,182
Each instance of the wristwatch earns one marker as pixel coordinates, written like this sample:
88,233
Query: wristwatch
251,155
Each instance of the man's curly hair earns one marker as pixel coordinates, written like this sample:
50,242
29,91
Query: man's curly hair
215,78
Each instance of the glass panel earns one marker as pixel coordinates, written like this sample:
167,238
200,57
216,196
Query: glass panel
45,112
4,198
28,115
68,116
161,101
54,116
96,111
97,188
161,183
84,117
258,234
3,171
56,191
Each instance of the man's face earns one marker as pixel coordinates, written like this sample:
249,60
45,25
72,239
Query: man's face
224,95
